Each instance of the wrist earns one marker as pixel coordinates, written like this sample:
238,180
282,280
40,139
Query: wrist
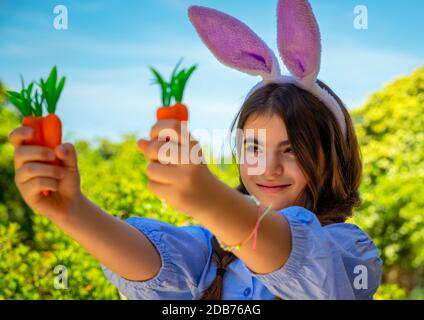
73,213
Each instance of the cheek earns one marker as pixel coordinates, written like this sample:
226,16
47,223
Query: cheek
293,170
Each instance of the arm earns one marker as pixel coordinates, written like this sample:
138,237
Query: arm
116,244
233,218
185,252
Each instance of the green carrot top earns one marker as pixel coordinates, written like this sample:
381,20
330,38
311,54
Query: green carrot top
174,88
31,103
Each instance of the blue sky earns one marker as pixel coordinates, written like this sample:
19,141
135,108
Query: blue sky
106,51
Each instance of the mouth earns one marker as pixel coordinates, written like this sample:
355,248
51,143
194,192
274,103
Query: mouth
272,188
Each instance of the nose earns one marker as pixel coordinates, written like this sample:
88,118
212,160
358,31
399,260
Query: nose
274,166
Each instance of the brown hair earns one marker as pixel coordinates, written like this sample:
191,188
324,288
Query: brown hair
333,169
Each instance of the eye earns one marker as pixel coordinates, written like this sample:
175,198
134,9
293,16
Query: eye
252,148
288,150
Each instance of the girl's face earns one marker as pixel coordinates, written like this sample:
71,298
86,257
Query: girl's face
282,180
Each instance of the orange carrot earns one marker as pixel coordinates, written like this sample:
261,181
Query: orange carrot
165,112
34,123
177,111
181,111
51,127
47,133
52,131
48,129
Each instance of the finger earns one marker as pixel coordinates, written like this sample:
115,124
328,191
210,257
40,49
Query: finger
195,156
160,125
35,186
18,136
25,154
31,170
163,152
176,130
68,154
165,174
142,145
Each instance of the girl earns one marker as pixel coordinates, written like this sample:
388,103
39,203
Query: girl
291,242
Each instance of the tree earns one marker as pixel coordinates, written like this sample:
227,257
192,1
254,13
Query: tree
390,130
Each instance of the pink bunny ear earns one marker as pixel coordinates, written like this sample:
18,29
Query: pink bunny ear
299,40
233,43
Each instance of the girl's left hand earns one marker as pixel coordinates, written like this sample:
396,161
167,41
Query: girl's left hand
177,171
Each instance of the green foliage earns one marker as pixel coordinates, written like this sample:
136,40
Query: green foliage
51,90
12,208
31,103
390,131
390,292
417,294
31,247
27,269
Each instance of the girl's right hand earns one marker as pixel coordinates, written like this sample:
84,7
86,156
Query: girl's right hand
33,176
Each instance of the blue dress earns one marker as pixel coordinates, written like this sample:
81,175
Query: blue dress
338,261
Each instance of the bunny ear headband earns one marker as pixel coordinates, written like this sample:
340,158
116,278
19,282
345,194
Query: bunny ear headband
234,44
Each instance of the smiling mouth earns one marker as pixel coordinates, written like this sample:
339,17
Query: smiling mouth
272,189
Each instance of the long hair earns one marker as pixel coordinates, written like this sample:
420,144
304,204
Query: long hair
330,160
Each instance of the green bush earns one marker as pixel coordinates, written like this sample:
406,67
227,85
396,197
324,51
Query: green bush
27,269
390,131
390,292
12,208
